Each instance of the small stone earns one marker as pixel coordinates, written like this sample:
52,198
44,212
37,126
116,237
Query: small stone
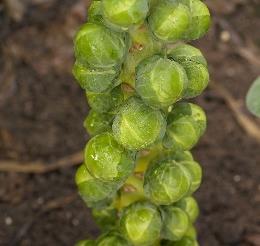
237,178
75,222
8,221
225,36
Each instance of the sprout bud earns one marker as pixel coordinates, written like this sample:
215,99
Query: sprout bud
186,53
160,82
92,190
195,66
195,171
175,223
169,155
141,223
200,19
107,101
181,156
186,124
198,76
106,160
190,206
190,109
185,241
191,232
124,13
96,123
166,182
95,12
137,126
98,47
181,134
95,80
112,238
106,217
169,20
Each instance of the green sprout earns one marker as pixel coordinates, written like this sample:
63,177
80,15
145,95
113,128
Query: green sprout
95,80
170,20
195,66
190,206
112,238
186,124
160,82
200,19
106,160
96,123
166,182
137,126
186,241
105,217
136,71
175,223
105,102
92,190
124,13
141,223
98,47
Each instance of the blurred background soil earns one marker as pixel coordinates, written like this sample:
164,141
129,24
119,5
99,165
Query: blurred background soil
42,110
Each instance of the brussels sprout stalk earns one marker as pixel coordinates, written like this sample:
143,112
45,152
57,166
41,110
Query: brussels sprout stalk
138,174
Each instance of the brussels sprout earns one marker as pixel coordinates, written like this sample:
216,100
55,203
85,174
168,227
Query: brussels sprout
141,223
185,241
186,124
86,243
106,101
124,13
95,12
96,123
143,46
98,47
181,134
106,217
92,190
137,126
190,206
112,239
160,82
95,80
182,156
195,172
200,19
178,156
169,20
195,66
186,53
198,77
190,109
106,160
191,232
166,182
175,223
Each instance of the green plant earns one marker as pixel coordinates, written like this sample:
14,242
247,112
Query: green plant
138,174
252,98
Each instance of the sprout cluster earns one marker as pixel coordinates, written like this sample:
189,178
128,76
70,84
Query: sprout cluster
138,174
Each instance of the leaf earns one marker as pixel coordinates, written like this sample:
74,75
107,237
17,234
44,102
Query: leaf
253,98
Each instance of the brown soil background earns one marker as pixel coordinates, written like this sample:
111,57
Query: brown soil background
42,110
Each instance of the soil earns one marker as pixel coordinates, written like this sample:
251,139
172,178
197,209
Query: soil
42,110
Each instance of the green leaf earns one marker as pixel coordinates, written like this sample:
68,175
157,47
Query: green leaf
253,98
